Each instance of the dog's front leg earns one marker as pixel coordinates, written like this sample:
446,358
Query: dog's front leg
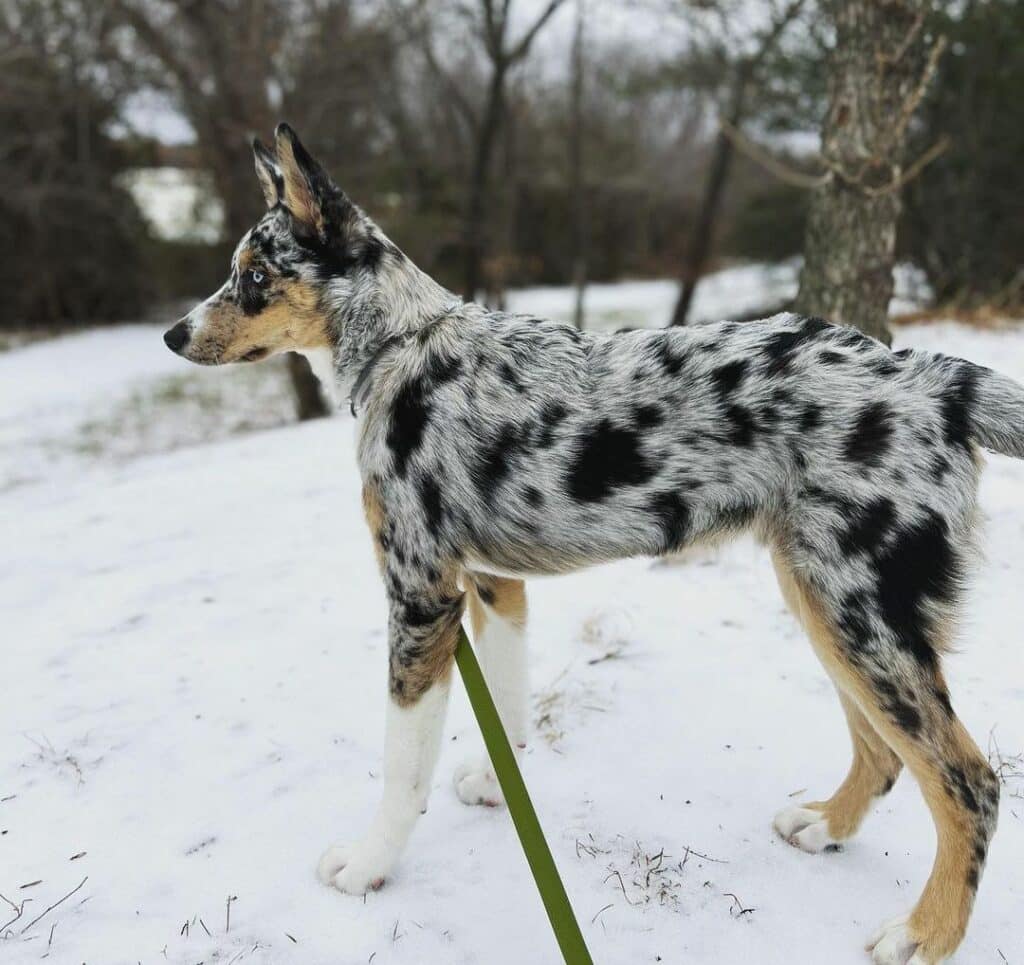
423,636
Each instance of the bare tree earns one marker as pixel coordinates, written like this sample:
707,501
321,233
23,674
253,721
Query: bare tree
744,74
879,70
577,191
490,24
221,65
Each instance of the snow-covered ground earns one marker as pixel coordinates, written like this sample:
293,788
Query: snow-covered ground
193,677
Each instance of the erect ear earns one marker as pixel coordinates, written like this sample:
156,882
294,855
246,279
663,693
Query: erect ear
268,173
308,190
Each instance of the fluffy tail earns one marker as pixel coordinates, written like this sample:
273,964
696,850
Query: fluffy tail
980,404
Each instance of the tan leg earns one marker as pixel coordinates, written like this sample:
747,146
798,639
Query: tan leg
497,612
873,772
819,825
958,785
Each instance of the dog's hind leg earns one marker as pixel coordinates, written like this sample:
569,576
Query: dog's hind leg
497,611
822,825
902,694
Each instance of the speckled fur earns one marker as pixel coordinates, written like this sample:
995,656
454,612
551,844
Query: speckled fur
492,443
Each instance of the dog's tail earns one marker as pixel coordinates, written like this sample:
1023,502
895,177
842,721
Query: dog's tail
981,404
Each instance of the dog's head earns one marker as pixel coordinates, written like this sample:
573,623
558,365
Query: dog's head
294,273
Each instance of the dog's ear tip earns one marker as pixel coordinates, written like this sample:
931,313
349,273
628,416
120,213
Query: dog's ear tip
285,130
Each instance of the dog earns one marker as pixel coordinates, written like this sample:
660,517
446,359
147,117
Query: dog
493,447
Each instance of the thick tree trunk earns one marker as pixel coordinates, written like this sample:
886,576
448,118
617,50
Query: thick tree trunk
875,74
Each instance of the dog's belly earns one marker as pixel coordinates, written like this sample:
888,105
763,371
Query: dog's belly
478,565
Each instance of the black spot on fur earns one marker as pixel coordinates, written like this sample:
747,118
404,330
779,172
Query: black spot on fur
896,704
962,788
673,515
868,527
423,613
736,516
958,400
508,375
853,338
727,377
533,496
921,566
871,436
551,416
430,499
443,368
780,347
828,357
906,716
608,458
855,624
813,325
649,416
410,414
810,418
940,466
742,424
495,461
669,360
370,253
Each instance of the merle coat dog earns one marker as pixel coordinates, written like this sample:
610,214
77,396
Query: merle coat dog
495,446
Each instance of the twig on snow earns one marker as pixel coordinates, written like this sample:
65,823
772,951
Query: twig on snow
55,904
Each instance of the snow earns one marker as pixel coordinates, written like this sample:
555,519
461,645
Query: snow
178,204
733,291
193,696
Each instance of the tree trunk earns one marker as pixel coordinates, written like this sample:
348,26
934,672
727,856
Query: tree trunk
486,138
577,200
876,72
704,229
309,398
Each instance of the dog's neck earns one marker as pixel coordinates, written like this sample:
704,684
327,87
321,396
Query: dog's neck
399,300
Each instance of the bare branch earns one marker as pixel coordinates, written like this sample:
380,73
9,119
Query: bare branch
523,47
771,164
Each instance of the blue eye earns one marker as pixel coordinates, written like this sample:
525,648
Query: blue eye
257,276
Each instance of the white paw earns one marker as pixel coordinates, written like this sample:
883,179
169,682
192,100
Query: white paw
894,945
475,783
355,871
805,828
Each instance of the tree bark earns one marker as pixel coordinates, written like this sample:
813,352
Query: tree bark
877,73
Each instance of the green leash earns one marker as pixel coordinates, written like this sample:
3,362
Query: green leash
531,837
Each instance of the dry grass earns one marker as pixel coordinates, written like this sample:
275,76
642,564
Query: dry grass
641,877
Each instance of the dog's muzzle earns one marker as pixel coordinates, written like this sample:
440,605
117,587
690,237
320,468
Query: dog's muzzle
176,338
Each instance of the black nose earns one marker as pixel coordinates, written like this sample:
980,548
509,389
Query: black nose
175,338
